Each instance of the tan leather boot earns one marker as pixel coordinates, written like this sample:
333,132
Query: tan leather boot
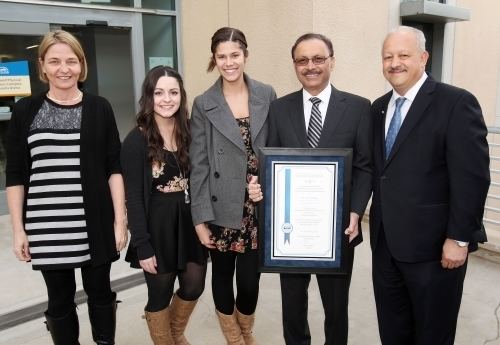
159,327
180,311
246,326
230,328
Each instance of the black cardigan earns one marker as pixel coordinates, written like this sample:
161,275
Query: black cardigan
138,184
99,159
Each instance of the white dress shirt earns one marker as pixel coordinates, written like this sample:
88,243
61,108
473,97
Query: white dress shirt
410,96
323,106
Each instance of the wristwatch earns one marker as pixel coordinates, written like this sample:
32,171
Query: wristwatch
462,244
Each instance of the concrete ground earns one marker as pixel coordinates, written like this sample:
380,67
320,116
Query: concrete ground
478,322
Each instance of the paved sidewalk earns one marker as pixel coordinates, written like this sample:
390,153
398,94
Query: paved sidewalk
477,323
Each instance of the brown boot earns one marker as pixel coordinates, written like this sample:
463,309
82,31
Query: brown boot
159,327
246,325
180,311
230,328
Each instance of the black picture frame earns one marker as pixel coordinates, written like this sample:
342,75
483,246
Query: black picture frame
276,168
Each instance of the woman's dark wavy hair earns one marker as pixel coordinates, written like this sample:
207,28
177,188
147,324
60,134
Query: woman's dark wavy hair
146,119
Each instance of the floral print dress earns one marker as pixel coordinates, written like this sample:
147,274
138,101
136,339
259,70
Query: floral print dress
245,238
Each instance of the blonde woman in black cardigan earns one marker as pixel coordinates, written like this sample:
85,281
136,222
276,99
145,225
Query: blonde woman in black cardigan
65,190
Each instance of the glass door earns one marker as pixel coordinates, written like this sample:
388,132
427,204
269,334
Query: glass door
18,43
110,73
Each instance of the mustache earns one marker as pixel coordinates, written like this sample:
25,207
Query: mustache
392,70
311,70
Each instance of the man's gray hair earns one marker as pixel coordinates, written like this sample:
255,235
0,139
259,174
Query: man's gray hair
419,35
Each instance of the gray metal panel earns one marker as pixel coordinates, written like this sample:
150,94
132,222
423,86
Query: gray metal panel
3,203
138,62
5,116
432,12
27,13
178,31
18,28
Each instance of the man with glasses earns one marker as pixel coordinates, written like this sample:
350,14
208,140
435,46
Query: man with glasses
321,116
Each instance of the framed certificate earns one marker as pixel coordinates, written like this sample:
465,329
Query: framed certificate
305,209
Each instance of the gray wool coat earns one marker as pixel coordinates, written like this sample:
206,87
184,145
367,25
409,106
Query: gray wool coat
218,156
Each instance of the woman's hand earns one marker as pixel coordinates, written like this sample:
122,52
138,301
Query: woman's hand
117,189
149,265
15,200
21,246
121,234
254,190
204,235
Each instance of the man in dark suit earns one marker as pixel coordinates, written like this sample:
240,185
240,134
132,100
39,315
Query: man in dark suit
430,180
342,121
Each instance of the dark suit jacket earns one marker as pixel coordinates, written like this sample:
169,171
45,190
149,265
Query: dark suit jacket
347,125
434,183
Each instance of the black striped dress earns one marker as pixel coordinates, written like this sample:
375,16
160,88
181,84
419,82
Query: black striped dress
55,216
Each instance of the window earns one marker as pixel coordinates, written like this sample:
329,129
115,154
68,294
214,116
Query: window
160,47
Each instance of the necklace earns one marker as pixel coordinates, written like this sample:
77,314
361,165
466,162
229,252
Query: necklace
172,149
52,98
187,198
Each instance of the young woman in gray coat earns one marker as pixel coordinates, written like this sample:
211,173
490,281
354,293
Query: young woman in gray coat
228,125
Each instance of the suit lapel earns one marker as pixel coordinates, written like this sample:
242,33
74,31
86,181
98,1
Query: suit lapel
258,109
379,127
296,109
334,113
415,113
219,114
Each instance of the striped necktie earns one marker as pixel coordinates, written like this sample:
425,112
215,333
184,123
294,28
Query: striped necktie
394,126
315,126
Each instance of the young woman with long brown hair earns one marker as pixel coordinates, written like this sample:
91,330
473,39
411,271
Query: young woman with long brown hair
163,240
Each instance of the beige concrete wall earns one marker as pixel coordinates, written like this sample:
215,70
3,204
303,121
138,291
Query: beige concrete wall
271,27
477,54
199,20
476,68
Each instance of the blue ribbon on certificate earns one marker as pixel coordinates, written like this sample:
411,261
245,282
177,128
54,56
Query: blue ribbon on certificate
287,226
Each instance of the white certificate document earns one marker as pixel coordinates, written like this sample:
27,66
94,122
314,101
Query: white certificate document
304,209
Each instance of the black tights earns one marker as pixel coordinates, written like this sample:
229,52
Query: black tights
247,281
61,288
161,286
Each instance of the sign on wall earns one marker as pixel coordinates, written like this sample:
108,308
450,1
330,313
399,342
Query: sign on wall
14,79
161,61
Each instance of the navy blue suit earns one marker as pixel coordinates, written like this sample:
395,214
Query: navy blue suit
432,186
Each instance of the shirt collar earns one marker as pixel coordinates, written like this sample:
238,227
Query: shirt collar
323,95
412,92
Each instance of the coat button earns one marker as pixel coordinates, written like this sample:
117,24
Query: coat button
214,198
216,174
220,151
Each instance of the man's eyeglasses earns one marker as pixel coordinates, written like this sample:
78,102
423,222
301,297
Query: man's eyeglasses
316,60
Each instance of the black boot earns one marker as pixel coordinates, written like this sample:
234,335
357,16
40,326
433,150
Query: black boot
103,322
64,330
